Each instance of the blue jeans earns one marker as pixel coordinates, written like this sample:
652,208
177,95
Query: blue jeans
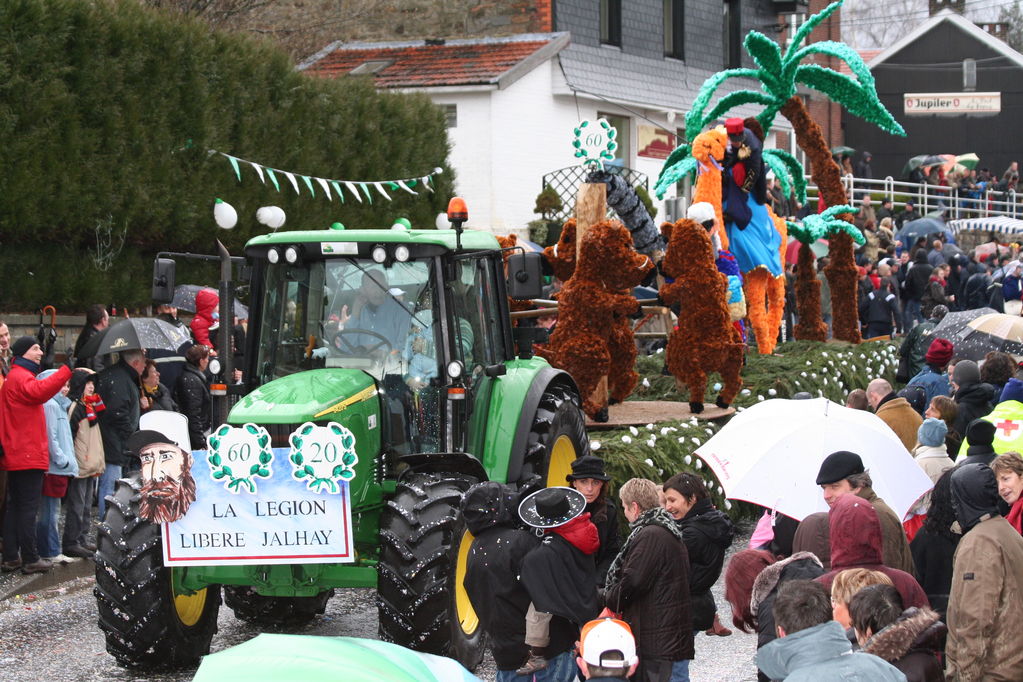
680,671
912,314
106,486
561,668
47,539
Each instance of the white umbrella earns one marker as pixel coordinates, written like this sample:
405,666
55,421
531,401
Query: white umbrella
770,454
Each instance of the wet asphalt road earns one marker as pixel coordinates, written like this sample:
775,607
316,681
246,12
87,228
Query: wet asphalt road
51,634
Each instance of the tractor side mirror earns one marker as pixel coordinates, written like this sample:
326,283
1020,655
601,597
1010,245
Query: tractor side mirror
163,280
525,280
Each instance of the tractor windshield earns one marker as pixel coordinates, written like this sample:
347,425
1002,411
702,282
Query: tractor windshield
351,313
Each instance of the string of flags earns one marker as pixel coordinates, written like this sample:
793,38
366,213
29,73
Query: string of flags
360,189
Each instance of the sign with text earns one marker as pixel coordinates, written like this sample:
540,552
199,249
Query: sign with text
280,521
655,143
952,103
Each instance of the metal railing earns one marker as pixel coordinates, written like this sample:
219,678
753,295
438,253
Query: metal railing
929,198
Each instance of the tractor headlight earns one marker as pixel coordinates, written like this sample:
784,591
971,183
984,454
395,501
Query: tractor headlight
274,256
379,254
401,253
455,369
291,255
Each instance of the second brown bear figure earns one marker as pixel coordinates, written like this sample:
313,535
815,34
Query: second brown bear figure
591,306
705,340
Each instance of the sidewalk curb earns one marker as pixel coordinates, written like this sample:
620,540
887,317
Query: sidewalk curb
16,583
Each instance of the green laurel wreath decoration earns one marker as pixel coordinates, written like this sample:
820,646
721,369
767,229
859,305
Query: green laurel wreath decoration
345,470
221,471
606,153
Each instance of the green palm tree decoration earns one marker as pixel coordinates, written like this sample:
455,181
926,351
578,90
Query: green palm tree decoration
811,326
779,74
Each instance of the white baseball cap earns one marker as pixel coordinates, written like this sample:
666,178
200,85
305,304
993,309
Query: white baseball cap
603,637
395,291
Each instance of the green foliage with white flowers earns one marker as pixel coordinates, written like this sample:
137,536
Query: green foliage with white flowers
658,451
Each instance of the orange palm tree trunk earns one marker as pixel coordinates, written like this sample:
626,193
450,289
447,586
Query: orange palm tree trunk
808,299
841,271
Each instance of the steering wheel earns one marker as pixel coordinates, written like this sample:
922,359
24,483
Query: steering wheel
351,349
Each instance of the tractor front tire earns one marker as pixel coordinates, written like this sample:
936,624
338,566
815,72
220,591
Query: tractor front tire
252,607
147,623
424,544
557,436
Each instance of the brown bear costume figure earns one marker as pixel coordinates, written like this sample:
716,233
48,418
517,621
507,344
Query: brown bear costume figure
705,340
561,256
592,306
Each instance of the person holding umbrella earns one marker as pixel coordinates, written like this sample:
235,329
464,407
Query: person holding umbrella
842,474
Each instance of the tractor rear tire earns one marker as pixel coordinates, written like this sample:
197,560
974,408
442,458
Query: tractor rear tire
147,625
556,437
420,598
252,607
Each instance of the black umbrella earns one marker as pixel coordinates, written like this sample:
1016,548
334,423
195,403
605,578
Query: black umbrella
184,299
992,332
135,333
923,227
954,326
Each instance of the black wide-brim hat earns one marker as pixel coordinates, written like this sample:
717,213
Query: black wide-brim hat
588,466
146,437
552,507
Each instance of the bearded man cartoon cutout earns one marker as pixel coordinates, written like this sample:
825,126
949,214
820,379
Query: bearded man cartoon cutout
168,488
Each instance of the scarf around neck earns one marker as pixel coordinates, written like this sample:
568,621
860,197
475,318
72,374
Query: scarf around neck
658,516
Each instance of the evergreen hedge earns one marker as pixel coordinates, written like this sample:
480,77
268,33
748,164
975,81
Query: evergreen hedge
107,110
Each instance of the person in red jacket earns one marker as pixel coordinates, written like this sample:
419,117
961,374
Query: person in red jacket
856,543
206,317
26,452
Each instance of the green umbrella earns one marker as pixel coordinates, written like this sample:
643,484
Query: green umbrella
842,151
968,160
914,163
306,658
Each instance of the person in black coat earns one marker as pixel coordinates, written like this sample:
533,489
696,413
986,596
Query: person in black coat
934,546
648,584
492,574
559,577
917,278
708,533
192,395
589,477
973,398
119,387
879,310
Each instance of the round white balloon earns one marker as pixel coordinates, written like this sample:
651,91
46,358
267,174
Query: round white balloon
225,215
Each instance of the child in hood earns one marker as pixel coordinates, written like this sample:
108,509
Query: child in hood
560,574
206,317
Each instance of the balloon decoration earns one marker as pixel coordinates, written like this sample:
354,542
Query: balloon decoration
224,214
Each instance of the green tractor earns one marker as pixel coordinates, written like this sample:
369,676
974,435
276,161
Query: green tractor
404,338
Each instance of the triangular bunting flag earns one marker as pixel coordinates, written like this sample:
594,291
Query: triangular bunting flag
273,178
234,164
401,183
380,188
366,190
337,188
294,183
259,171
326,187
309,184
354,190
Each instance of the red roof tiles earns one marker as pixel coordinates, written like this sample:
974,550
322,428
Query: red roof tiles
423,65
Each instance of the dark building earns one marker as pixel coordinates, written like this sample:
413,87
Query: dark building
967,86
